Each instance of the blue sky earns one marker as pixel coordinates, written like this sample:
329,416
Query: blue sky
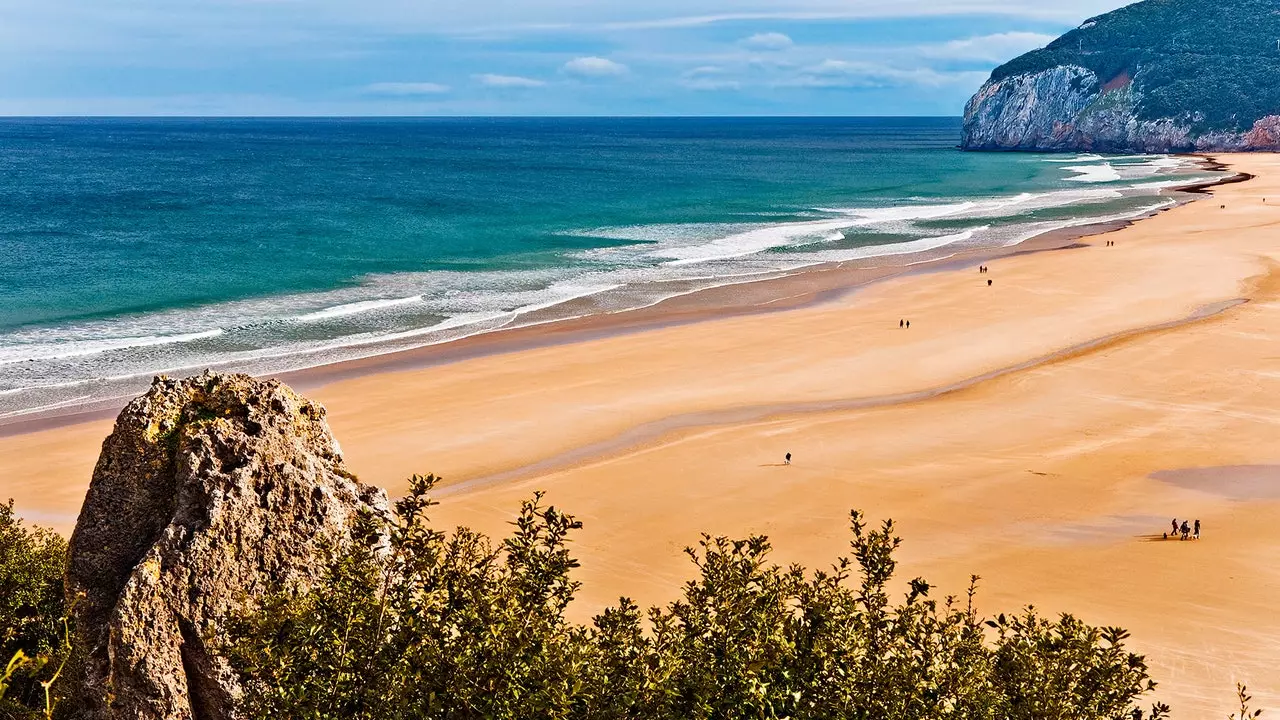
513,57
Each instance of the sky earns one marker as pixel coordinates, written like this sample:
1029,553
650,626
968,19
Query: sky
513,57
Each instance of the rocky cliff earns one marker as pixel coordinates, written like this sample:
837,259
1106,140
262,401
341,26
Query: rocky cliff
1156,76
208,491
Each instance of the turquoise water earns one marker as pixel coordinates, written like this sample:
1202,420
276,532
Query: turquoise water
130,247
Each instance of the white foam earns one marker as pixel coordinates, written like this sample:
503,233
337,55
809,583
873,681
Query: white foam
355,308
67,402
10,354
1027,232
910,247
1094,173
1088,157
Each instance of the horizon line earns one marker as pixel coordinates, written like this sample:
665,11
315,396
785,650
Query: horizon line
479,117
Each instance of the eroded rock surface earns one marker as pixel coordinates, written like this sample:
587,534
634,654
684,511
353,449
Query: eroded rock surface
1152,76
209,491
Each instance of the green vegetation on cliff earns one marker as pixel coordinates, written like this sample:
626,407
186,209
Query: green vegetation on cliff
1209,62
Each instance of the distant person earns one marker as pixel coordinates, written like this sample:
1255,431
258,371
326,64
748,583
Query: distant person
908,324
988,283
787,461
901,324
1186,529
1197,529
1174,523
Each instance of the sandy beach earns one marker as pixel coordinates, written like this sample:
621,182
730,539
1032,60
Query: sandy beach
1040,432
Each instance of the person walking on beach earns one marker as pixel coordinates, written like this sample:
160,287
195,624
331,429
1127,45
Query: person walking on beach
901,324
1186,530
1174,522
1197,529
908,324
988,283
787,461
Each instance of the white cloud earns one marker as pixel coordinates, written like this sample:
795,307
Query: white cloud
708,78
999,47
707,84
401,89
767,41
852,74
594,67
822,10
507,81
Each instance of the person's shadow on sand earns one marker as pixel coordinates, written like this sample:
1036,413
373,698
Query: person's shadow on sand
774,465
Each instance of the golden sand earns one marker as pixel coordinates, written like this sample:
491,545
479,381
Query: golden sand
1040,432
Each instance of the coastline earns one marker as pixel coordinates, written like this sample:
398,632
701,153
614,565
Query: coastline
807,287
1039,432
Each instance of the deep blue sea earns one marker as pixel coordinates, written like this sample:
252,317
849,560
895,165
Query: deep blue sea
130,247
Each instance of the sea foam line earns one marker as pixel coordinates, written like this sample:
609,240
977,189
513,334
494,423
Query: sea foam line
78,348
356,308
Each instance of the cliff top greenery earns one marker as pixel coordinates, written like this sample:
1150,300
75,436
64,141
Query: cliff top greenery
1211,62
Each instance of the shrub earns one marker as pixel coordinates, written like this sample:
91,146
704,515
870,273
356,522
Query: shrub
33,617
409,622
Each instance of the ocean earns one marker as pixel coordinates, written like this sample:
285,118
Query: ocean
132,247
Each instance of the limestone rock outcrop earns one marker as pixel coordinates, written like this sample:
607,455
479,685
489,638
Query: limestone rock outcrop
209,491
1069,109
1152,76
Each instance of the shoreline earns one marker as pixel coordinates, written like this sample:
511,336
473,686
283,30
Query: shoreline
804,288
1038,432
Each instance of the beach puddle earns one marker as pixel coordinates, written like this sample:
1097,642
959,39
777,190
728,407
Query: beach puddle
1234,482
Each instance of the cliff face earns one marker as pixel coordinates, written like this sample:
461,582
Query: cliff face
208,491
1156,76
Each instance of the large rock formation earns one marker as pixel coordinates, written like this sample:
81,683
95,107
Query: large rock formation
1156,76
209,491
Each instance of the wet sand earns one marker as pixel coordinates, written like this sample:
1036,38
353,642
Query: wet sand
1038,432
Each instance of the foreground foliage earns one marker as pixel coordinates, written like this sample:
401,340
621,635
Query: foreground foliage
33,631
412,623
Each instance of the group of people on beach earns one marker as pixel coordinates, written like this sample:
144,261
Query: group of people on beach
904,324
1184,530
1111,243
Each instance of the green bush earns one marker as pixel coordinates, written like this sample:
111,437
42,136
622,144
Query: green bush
409,622
33,631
